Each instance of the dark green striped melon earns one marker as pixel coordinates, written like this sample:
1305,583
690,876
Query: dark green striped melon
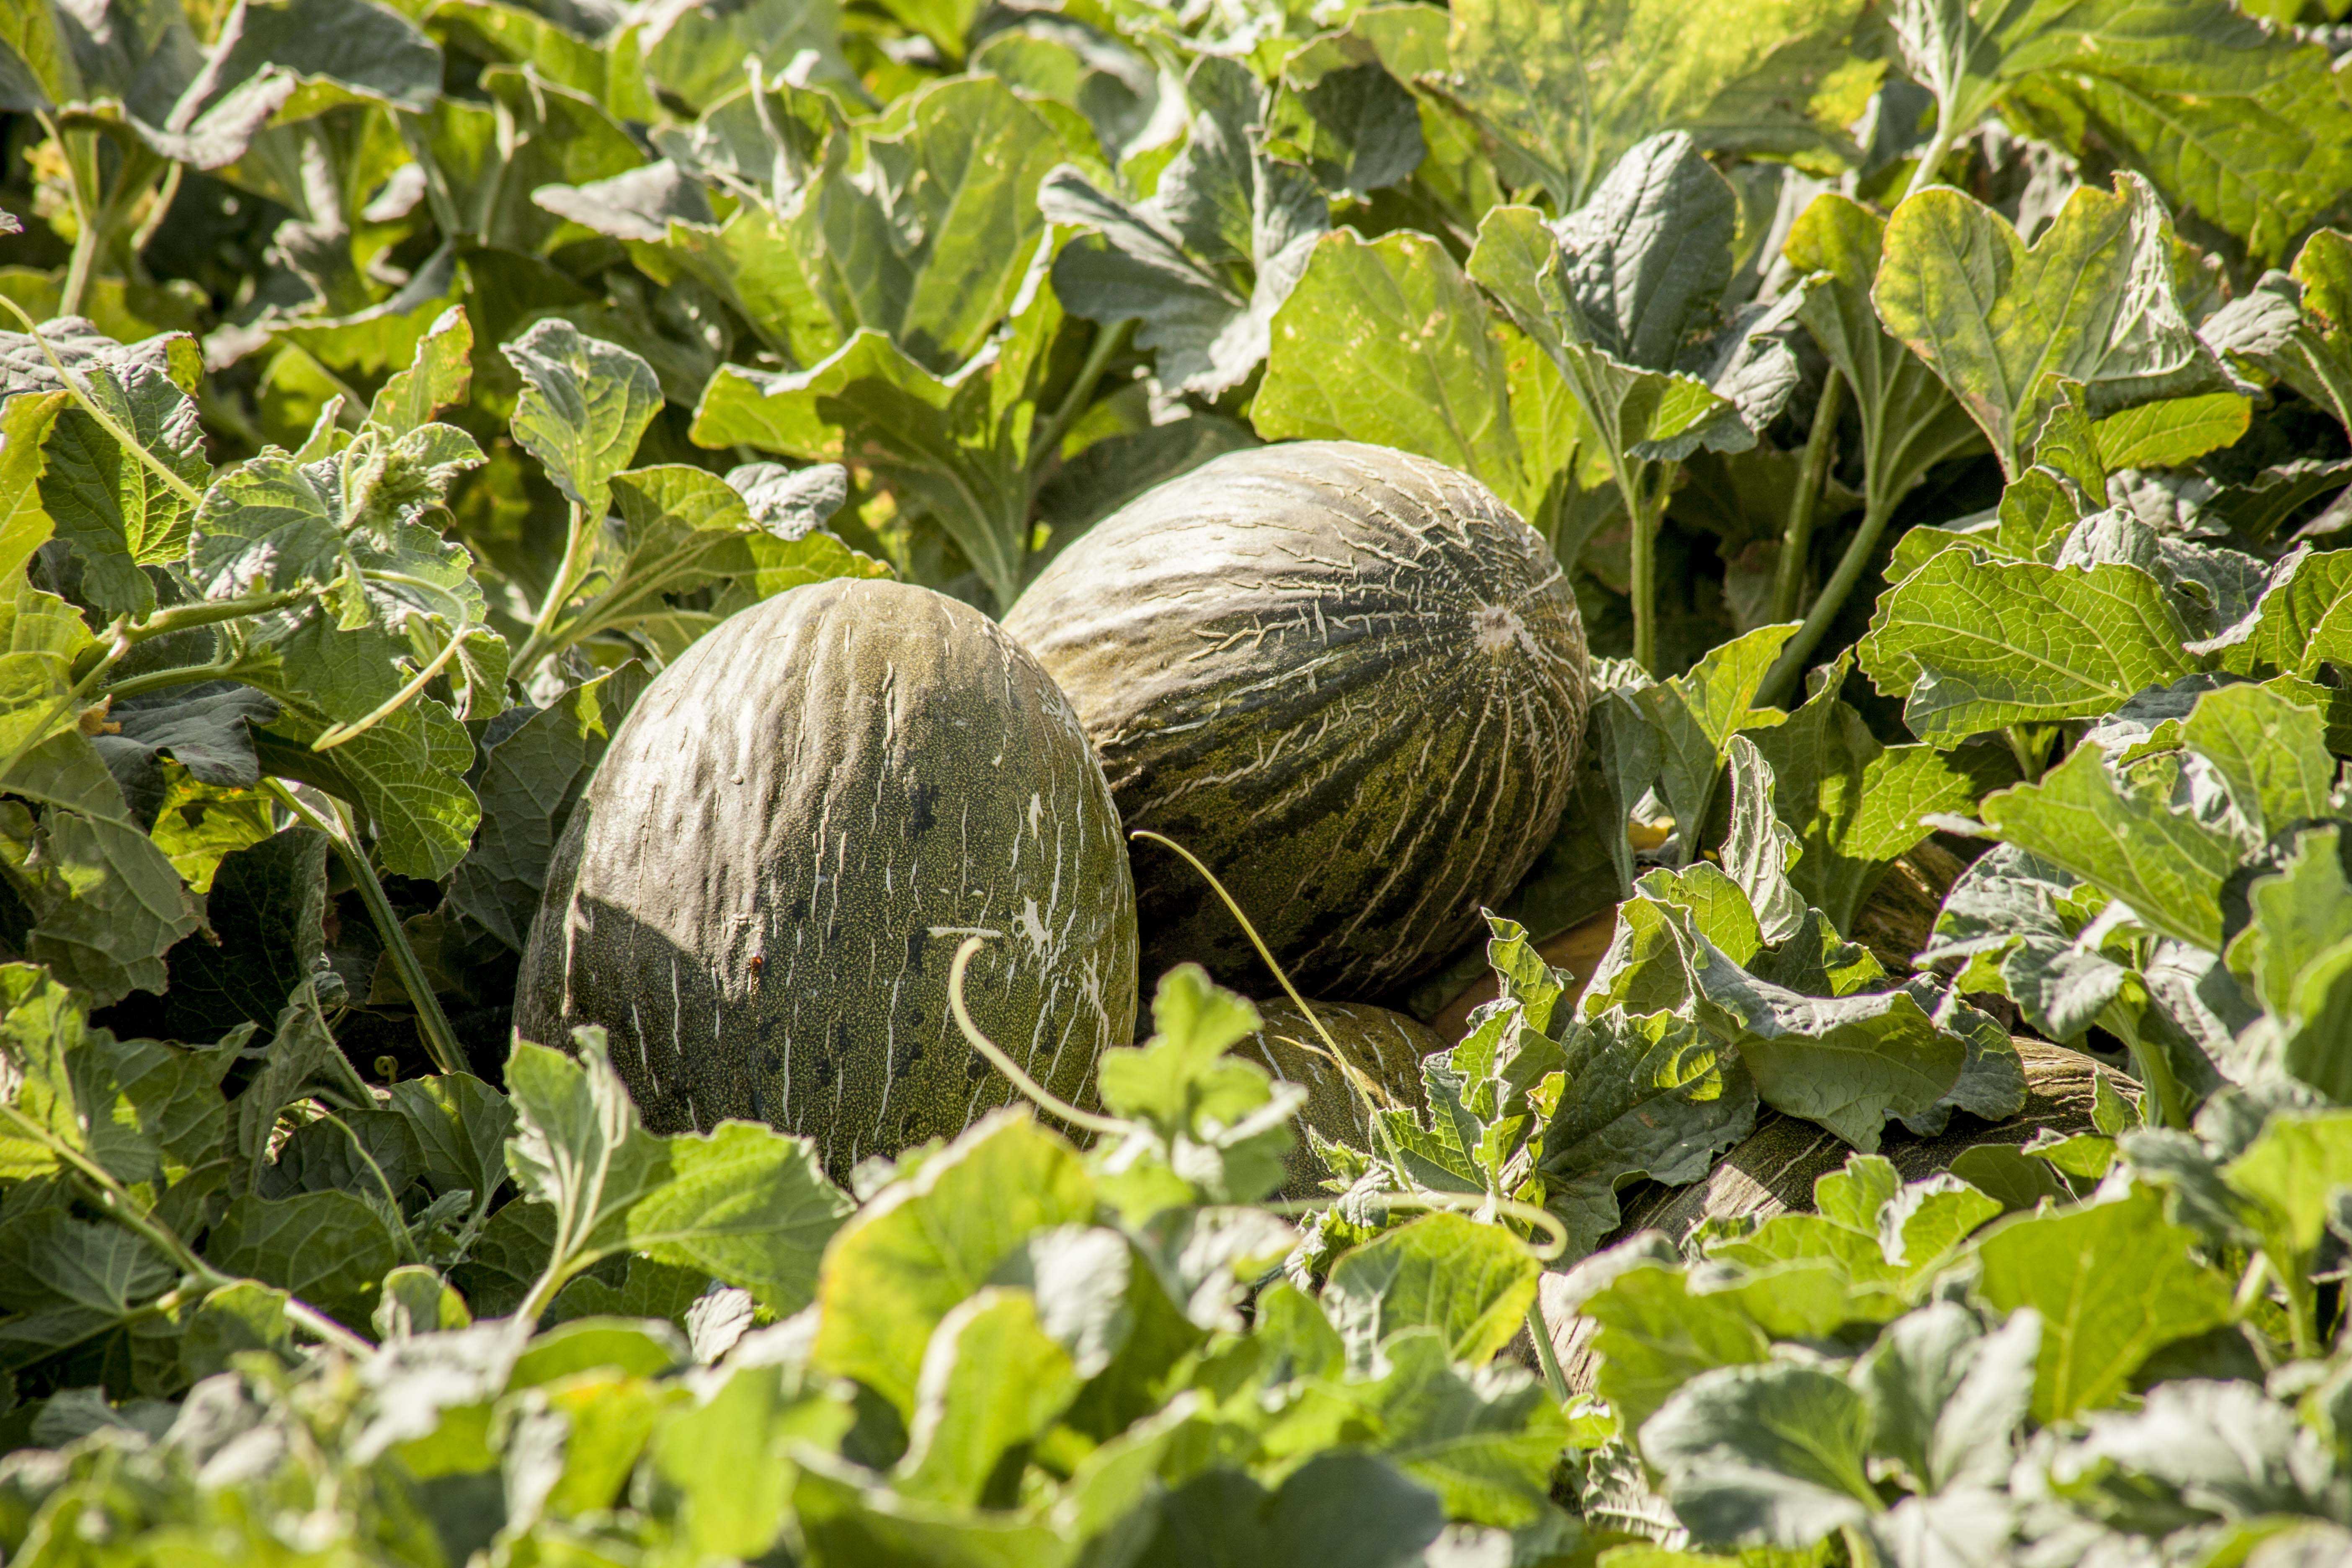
760,893
1386,1047
1350,679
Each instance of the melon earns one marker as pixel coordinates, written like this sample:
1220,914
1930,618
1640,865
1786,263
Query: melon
1351,681
1386,1047
761,890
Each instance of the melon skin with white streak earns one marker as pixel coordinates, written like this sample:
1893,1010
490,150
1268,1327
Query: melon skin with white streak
755,895
1351,681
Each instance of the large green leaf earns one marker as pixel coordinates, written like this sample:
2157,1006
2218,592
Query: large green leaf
2090,300
925,234
993,1378
1974,645
1773,1455
2239,123
1557,93
2112,1281
2125,835
2299,952
956,448
114,510
927,1243
1909,421
1388,342
1656,1333
584,407
747,1203
1171,262
1650,1096
578,1146
1471,1282
699,51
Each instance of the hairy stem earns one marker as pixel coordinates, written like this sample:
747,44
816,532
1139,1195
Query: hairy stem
1781,681
1546,1356
1645,505
1796,543
1108,341
440,1040
569,575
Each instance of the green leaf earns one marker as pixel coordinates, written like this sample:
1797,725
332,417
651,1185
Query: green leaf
925,1244
114,510
2298,952
1471,1282
584,407
1759,847
65,1281
2173,433
1909,421
407,774
578,1146
1854,804
2125,835
1654,1097
684,529
330,1249
746,1203
1847,1062
2297,326
2271,751
957,448
2228,118
530,782
700,53
1773,1455
1485,1441
2112,1281
2301,619
1183,1077
2091,301
438,376
1388,342
106,903
266,913
1694,716
1976,645
1337,1506
2294,1171
929,238
992,1380
1656,1334
1169,262
1946,1398
1557,94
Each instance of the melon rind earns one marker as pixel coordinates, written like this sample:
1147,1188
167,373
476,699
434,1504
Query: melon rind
1351,681
759,895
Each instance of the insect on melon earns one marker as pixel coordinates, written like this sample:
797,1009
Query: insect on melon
1351,681
755,895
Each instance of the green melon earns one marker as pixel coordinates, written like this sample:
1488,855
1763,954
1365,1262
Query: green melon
1350,679
760,893
1386,1047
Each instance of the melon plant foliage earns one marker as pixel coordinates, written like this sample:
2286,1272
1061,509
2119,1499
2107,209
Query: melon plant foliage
1941,411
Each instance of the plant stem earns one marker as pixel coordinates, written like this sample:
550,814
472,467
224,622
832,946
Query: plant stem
568,573
1788,581
1546,1356
2027,750
1646,504
1787,671
440,1040
1939,144
1108,341
212,611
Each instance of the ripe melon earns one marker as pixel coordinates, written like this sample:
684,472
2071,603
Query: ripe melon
760,893
1351,681
1386,1047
